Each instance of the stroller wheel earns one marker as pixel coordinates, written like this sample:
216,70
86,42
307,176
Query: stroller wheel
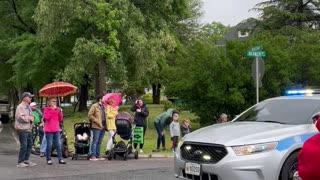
109,158
136,155
74,157
125,156
110,155
65,151
35,151
114,156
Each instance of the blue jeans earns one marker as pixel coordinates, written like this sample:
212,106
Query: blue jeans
96,141
25,139
41,134
43,147
53,137
161,137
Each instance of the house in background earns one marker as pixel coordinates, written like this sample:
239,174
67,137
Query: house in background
241,31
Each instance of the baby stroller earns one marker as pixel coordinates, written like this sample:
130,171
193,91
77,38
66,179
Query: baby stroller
81,139
125,129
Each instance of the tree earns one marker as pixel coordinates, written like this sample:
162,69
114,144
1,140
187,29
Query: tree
162,25
203,80
296,13
92,28
213,32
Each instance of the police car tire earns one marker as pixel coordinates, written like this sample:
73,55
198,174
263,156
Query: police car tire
291,160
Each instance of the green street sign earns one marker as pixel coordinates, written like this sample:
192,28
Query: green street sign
257,48
138,135
256,53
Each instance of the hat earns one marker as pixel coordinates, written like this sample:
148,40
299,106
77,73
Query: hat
33,104
27,94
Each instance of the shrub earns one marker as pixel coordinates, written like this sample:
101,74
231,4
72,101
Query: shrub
167,105
147,98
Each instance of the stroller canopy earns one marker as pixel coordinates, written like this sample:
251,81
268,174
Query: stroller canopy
124,116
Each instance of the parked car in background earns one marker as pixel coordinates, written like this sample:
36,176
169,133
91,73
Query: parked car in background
262,143
4,111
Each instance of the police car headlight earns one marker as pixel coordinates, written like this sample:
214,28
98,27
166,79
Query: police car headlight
254,148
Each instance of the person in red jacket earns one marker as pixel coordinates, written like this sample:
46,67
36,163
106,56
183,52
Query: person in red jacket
308,159
53,116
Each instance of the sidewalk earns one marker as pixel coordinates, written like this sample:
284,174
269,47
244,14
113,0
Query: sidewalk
8,141
9,144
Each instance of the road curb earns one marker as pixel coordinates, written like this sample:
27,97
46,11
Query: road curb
155,156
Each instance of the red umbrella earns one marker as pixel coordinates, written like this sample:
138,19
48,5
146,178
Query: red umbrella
57,89
116,96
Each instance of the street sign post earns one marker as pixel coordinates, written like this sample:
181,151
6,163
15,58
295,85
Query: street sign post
260,71
258,54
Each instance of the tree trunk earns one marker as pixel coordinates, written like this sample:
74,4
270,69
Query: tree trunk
156,93
84,93
100,78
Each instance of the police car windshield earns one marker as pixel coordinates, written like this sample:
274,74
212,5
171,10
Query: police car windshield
283,111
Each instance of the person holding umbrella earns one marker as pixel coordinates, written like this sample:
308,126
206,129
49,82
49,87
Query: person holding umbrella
53,116
112,112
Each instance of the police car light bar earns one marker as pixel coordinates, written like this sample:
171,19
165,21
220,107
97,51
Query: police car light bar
300,92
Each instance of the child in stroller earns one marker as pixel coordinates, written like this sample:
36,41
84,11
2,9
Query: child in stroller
81,139
125,127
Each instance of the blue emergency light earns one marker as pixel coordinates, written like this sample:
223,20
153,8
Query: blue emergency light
299,92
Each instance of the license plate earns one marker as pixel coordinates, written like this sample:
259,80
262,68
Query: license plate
193,168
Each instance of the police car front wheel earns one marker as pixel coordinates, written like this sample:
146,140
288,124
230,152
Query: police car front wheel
290,168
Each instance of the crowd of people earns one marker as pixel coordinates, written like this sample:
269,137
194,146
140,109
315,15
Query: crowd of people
102,117
27,115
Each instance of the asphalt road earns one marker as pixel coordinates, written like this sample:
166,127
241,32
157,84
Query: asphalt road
143,168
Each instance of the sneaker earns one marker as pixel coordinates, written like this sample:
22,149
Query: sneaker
93,159
22,165
101,158
62,162
133,150
141,151
42,155
164,149
156,150
49,162
29,163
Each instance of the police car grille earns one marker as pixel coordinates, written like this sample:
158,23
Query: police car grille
204,153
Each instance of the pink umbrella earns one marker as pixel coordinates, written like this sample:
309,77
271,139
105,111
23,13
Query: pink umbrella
116,96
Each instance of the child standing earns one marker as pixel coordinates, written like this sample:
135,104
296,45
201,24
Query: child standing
175,131
185,127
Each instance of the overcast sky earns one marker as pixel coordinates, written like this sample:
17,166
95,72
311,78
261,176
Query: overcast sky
228,12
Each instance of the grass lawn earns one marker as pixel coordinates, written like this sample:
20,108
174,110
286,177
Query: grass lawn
150,137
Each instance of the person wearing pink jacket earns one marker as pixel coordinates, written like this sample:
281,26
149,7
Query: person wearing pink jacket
53,116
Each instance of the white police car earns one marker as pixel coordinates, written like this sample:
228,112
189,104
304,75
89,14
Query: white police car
262,143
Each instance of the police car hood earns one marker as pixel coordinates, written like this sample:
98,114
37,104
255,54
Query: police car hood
241,133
